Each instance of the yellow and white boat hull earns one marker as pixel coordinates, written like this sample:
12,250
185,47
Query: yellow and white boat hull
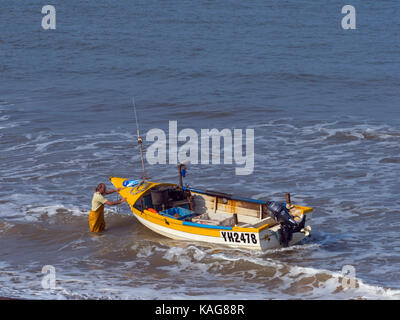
251,228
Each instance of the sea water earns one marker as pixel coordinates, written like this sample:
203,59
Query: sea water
323,103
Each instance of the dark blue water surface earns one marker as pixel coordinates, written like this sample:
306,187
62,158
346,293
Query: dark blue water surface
323,103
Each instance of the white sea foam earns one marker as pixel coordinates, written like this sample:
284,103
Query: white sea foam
5,226
32,212
107,285
211,266
12,125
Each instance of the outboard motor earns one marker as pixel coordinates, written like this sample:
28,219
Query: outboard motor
288,225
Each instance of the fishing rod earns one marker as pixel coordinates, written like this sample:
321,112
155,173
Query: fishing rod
139,139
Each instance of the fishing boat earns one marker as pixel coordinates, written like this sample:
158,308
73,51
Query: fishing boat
192,214
185,213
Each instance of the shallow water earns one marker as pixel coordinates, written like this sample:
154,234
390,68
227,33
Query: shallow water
323,103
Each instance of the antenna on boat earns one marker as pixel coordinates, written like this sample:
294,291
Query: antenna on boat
139,139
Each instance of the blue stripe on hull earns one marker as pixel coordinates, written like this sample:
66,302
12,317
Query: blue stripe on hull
194,224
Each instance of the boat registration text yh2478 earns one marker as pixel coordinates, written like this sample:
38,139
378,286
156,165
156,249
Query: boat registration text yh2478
239,237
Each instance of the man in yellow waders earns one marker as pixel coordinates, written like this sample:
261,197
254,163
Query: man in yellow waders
96,215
